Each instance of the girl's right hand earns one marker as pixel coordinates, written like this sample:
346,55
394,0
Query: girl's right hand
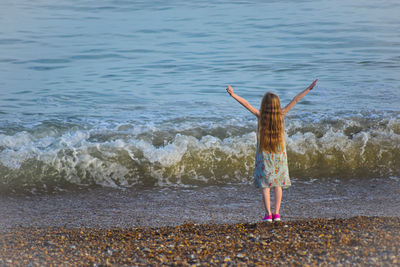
229,90
312,85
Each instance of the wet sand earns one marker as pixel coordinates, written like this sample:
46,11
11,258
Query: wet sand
158,207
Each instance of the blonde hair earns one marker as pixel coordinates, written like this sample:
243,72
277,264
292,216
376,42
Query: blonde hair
271,125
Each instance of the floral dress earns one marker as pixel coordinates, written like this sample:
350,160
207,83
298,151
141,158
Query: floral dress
271,170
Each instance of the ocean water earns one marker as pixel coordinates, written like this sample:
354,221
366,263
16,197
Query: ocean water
131,94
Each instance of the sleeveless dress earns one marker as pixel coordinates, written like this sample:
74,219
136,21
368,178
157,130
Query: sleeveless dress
271,169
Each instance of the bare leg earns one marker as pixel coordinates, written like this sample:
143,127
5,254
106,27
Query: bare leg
267,201
278,198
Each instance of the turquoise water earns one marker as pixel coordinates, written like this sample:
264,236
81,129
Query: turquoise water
127,93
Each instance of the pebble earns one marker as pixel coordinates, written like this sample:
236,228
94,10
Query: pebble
240,255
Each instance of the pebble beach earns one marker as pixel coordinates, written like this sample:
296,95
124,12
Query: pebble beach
323,224
356,241
119,145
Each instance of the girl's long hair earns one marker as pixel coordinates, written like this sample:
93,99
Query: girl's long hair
271,125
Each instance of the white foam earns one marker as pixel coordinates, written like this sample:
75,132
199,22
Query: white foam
167,155
113,158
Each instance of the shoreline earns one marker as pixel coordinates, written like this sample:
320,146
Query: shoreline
372,241
336,222
158,207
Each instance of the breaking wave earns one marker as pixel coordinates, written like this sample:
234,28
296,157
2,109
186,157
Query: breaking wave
188,152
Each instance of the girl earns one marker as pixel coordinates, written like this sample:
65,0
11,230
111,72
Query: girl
271,168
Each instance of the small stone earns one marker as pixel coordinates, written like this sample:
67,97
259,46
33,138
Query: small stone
302,252
146,250
332,259
240,255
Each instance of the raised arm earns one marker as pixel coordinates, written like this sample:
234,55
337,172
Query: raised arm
243,101
298,97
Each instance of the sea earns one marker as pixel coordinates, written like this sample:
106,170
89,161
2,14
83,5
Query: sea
128,96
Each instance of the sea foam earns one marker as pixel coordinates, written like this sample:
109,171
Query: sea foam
196,153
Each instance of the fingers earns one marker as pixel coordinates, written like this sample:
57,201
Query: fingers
229,89
312,85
